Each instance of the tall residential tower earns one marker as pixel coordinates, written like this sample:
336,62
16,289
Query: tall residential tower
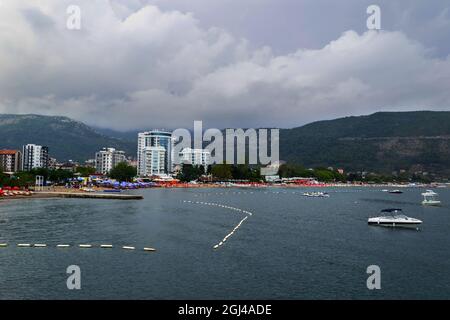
161,141
10,160
34,156
107,159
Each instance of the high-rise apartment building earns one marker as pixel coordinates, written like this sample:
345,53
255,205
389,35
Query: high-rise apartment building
107,159
156,139
154,161
10,160
196,157
34,156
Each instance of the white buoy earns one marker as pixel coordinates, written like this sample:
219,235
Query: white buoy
128,248
63,246
85,246
106,246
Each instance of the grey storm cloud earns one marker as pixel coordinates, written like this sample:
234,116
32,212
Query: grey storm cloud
143,63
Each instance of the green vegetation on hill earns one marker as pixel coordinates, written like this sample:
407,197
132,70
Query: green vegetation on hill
67,139
382,142
321,174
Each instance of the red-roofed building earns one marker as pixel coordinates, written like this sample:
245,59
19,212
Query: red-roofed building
10,160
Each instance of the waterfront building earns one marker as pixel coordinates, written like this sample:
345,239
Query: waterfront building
52,163
272,178
90,163
10,160
132,163
107,159
272,169
67,166
155,138
196,157
34,156
154,163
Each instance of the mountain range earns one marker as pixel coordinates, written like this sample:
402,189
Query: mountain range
67,139
381,142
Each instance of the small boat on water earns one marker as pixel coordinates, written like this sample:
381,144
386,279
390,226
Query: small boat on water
396,191
316,194
430,198
394,218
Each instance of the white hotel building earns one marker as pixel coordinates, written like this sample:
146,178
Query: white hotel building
154,153
34,156
107,159
154,161
196,157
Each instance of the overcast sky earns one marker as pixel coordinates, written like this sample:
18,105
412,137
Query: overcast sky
138,64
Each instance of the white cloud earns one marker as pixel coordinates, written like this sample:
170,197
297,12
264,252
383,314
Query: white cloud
133,68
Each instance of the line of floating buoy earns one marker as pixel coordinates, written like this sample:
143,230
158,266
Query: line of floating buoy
84,246
248,213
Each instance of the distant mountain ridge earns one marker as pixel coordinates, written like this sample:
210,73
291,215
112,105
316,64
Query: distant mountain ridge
381,142
66,138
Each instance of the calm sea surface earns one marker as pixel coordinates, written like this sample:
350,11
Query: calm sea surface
292,247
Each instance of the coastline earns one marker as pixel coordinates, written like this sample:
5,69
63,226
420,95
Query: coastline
60,192
79,195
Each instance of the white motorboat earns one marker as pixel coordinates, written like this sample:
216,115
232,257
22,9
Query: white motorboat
395,218
430,198
316,194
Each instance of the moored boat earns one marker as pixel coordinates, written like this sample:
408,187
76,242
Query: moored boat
430,198
316,194
394,218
